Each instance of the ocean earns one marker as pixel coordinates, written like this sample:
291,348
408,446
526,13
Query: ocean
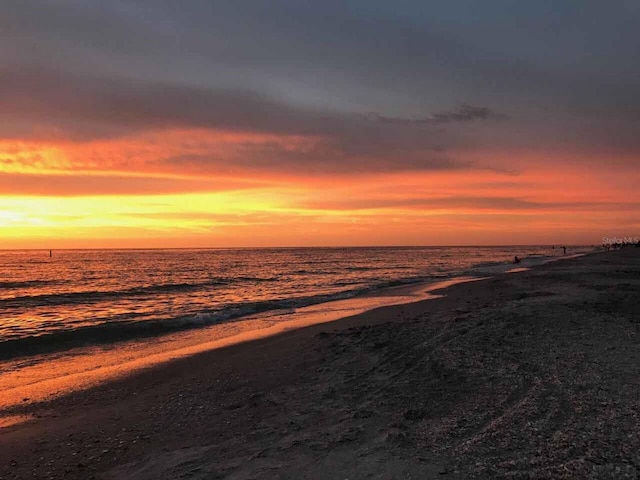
89,297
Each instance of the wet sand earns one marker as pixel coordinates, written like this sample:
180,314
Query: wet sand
32,379
533,374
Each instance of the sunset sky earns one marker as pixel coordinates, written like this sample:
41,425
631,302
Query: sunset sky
199,123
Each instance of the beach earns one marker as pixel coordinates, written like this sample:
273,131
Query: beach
533,374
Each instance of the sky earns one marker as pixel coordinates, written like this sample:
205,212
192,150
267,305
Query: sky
155,123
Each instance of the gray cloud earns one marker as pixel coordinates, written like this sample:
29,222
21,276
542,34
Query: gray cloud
46,103
323,159
365,54
78,185
464,113
107,106
59,99
560,73
475,203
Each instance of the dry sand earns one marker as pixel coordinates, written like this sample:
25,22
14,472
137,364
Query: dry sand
533,374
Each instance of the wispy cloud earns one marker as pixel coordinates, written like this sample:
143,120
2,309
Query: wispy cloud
464,113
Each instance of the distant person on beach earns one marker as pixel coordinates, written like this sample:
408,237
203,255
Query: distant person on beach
516,259
564,250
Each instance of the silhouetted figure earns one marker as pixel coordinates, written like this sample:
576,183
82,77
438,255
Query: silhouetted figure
564,250
50,253
516,259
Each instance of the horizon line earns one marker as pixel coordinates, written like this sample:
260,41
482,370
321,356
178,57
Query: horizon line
496,245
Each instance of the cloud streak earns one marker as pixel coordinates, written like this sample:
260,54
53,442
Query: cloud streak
119,105
57,106
466,203
464,113
70,185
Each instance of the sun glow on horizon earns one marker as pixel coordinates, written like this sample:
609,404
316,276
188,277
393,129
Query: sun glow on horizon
145,190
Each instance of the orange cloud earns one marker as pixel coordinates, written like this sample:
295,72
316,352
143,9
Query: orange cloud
132,192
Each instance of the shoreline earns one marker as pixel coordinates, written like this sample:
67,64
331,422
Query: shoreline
82,368
110,334
26,380
393,390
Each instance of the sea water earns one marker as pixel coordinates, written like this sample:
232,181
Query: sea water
83,297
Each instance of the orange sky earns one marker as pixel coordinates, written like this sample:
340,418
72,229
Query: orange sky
119,193
249,123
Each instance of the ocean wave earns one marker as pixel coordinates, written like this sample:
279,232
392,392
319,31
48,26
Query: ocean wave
122,330
314,272
110,332
92,296
26,284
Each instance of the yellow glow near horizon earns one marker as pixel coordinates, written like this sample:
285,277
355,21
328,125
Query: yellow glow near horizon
130,192
61,216
30,157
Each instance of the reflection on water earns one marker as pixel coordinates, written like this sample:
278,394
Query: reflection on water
82,317
82,297
47,376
